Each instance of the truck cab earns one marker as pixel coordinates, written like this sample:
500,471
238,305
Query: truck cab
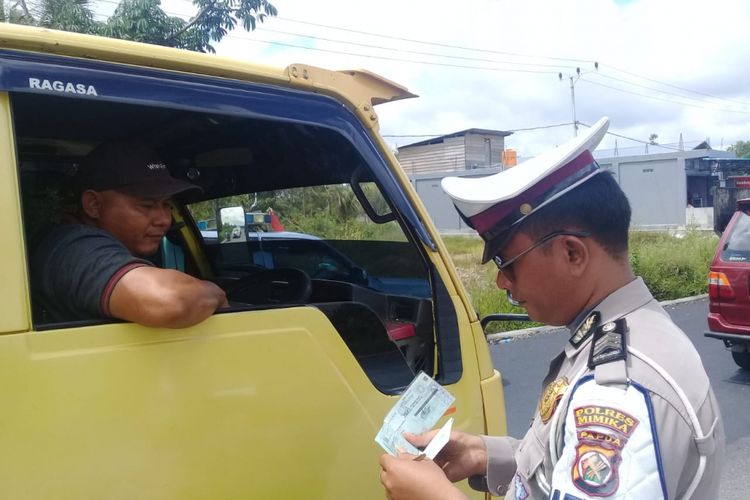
279,395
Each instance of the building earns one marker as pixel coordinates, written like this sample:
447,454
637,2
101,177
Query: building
668,189
465,150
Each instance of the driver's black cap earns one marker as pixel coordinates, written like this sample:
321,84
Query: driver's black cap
130,167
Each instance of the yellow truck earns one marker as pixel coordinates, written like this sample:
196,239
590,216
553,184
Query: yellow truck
280,395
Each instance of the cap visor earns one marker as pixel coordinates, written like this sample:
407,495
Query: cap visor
493,247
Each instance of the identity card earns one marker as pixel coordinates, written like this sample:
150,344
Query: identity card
417,410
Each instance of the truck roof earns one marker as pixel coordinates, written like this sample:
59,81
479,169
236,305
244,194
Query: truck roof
361,88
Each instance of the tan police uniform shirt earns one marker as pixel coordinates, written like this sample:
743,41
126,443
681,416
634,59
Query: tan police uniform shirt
621,428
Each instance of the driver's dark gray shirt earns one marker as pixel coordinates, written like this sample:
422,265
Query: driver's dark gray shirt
74,270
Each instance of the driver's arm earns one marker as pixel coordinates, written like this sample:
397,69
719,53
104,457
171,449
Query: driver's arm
164,298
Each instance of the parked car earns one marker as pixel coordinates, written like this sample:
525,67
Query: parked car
729,287
280,395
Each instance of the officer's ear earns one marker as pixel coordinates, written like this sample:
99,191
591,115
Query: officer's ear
91,203
577,255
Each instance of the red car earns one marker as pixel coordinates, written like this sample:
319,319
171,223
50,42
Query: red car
729,287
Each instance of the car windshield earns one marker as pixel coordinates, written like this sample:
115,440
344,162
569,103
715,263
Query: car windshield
737,246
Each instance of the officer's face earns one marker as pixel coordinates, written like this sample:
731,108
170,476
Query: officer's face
139,223
538,279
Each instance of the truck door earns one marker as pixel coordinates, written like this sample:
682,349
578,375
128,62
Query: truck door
264,400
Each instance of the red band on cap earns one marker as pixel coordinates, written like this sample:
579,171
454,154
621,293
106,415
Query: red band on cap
488,219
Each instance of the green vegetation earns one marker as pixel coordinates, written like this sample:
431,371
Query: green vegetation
331,212
672,267
741,149
479,280
143,20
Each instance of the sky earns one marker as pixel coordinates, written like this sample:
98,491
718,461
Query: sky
674,68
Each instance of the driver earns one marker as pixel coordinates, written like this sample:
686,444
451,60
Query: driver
97,265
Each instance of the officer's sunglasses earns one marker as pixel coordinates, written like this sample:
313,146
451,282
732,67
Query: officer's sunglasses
506,266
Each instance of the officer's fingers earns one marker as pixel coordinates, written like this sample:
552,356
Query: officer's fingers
420,440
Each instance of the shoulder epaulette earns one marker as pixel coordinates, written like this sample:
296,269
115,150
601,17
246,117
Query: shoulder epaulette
608,343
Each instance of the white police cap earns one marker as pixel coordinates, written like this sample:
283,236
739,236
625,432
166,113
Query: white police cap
496,204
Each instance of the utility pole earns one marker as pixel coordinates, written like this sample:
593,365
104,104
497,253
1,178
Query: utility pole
573,79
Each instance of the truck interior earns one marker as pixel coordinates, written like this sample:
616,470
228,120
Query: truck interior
346,248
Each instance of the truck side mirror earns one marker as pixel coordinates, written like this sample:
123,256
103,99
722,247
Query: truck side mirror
231,227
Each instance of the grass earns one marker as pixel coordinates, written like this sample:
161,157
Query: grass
479,280
671,266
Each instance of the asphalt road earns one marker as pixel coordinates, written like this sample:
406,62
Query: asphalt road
524,362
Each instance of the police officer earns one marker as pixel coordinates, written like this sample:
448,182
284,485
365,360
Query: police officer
627,410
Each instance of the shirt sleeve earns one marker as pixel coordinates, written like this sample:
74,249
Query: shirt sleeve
78,271
501,465
611,447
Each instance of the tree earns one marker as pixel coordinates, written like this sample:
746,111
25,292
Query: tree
741,149
144,20
652,138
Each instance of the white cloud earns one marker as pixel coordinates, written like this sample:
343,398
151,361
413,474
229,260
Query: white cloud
640,44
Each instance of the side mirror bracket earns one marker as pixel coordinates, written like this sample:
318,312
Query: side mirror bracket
502,317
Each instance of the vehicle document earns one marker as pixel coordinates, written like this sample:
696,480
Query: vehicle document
417,410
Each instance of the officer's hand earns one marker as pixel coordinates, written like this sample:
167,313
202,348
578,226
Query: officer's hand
465,454
407,479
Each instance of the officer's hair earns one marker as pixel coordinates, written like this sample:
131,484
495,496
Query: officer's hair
598,206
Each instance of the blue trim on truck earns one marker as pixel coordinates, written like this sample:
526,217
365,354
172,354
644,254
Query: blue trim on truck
66,76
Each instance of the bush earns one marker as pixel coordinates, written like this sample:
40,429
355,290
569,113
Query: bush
671,266
479,281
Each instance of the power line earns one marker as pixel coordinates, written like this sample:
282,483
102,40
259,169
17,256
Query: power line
540,127
540,57
636,140
663,99
436,44
416,52
492,61
677,87
664,91
507,130
261,28
474,49
413,61
614,134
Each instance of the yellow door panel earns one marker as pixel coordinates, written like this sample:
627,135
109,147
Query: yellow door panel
120,411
